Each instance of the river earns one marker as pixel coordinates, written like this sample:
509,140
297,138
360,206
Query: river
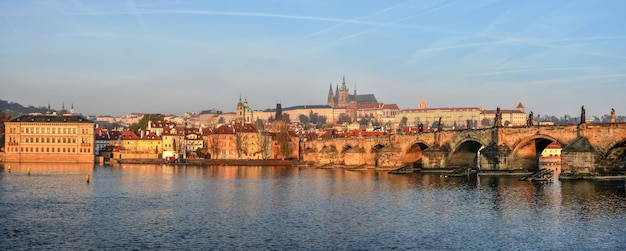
130,207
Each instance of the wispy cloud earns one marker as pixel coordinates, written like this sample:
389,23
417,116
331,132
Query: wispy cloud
464,45
395,23
561,81
226,13
133,9
355,19
534,68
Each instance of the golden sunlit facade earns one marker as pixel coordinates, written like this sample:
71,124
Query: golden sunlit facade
49,138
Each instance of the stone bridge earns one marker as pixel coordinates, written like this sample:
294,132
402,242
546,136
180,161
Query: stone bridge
585,148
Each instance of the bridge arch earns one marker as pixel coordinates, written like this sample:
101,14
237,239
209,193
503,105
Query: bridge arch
328,148
525,154
346,148
376,148
466,153
613,161
414,154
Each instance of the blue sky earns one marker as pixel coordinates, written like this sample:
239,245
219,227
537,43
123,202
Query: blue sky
119,57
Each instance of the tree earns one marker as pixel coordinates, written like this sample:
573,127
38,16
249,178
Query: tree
321,121
403,122
3,118
313,117
364,121
486,122
284,142
213,146
283,139
303,119
265,144
143,122
344,118
436,124
200,153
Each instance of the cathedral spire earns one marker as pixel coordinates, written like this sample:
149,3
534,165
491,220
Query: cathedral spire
343,84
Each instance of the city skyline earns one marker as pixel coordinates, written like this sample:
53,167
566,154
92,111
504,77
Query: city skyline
120,57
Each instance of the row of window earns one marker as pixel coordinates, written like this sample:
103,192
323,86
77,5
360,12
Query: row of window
48,150
56,140
50,130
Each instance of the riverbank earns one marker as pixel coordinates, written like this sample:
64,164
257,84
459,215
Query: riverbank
210,162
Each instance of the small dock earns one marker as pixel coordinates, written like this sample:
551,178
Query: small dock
403,170
357,168
541,175
460,172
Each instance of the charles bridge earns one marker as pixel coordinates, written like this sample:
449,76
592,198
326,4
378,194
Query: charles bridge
586,148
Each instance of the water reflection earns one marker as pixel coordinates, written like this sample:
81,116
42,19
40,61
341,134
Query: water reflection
187,207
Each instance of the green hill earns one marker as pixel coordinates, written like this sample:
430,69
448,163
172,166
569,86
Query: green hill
15,109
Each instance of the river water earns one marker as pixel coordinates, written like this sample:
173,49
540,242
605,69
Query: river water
286,208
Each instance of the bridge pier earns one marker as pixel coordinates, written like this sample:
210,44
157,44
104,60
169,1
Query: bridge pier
578,157
434,157
494,157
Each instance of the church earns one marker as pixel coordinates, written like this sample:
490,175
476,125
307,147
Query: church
341,97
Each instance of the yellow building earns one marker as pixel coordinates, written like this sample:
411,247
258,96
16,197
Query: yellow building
450,117
49,138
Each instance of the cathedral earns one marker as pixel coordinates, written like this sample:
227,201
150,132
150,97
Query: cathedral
342,98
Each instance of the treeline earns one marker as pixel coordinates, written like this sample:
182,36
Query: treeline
567,119
15,109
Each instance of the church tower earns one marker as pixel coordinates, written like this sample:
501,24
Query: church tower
244,112
342,95
331,96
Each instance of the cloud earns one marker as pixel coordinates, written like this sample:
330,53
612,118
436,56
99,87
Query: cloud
561,81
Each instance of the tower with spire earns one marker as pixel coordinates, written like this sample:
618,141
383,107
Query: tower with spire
244,112
343,94
331,96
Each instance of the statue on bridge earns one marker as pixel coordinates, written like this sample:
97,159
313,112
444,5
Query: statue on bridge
531,119
582,115
439,125
612,115
498,118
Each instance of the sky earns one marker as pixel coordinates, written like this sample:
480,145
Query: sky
168,56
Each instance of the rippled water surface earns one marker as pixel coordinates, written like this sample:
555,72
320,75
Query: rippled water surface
226,208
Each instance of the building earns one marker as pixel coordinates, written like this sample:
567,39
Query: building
458,117
222,143
453,118
244,112
102,139
342,97
49,138
550,157
512,117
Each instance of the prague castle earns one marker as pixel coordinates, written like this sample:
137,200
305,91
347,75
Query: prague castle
341,98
